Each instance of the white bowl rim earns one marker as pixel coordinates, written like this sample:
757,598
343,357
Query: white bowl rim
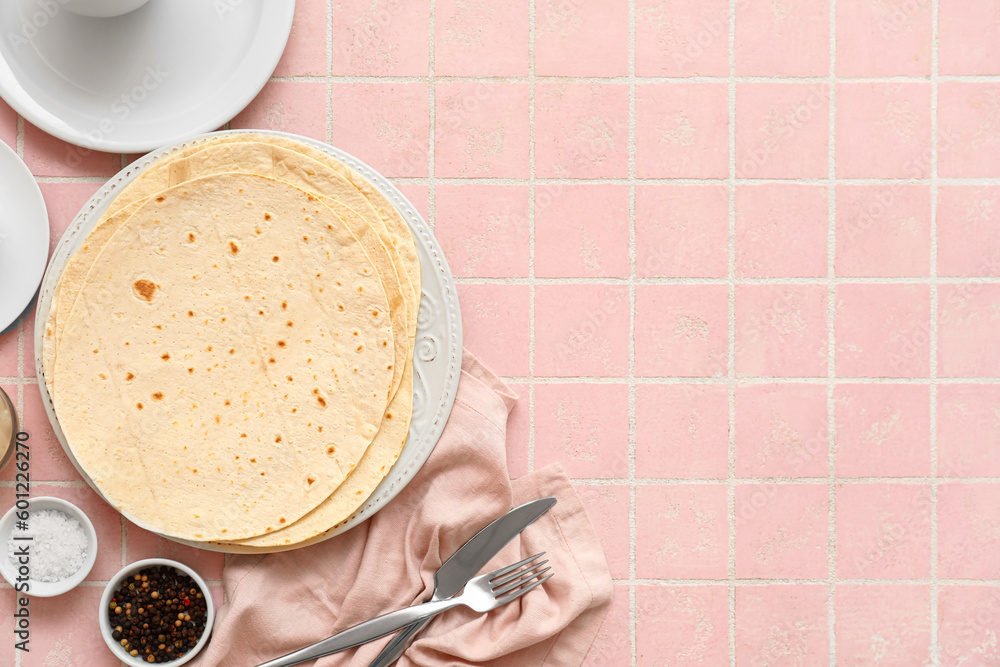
105,622
47,589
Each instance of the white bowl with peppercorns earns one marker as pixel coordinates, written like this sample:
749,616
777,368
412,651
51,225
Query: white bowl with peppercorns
156,611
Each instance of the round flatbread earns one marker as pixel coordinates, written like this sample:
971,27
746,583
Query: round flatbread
227,361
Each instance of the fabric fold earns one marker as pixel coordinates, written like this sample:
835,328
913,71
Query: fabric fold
281,602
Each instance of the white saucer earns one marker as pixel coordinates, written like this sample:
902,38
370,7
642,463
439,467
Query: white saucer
24,236
164,73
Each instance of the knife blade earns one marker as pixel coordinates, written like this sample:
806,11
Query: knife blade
466,563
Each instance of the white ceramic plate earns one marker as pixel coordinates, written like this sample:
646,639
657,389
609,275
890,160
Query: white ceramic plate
24,236
437,355
164,73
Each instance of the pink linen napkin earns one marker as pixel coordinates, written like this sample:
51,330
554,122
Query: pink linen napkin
281,602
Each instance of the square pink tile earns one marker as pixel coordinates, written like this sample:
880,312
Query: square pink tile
782,130
883,38
8,125
381,38
781,330
968,132
968,624
781,430
581,330
681,231
681,625
144,544
883,131
682,431
967,38
968,430
518,431
883,624
781,230
8,354
483,228
48,460
883,230
305,52
968,328
481,129
64,631
581,38
63,202
783,38
883,531
674,38
608,509
781,531
584,427
968,230
968,530
883,430
481,38
386,125
782,625
613,644
581,231
678,38
47,156
883,330
495,325
581,130
106,520
682,130
298,107
681,330
682,531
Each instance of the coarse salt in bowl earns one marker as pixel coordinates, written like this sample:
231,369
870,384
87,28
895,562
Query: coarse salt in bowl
44,589
129,570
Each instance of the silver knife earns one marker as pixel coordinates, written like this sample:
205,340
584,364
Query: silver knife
466,563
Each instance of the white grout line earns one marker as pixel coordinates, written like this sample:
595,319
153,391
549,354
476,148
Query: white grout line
731,347
633,530
328,79
722,281
934,638
611,80
532,188
432,179
510,180
831,361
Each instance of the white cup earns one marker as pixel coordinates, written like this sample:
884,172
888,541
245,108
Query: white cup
102,8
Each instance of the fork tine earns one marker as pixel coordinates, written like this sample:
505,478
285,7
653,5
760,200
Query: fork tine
510,568
520,582
497,583
517,594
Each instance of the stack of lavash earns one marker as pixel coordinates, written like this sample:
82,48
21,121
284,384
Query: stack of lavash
229,350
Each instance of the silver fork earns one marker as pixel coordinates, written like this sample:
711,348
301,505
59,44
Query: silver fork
483,593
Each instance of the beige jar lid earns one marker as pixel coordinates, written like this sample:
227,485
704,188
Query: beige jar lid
8,428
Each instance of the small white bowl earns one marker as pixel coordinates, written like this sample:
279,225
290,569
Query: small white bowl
128,571
43,589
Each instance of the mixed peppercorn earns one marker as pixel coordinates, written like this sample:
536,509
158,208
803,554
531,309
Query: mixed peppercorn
158,614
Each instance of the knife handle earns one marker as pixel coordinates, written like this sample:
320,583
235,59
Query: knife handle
364,632
397,647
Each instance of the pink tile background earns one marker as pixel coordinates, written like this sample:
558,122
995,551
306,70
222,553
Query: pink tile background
740,260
